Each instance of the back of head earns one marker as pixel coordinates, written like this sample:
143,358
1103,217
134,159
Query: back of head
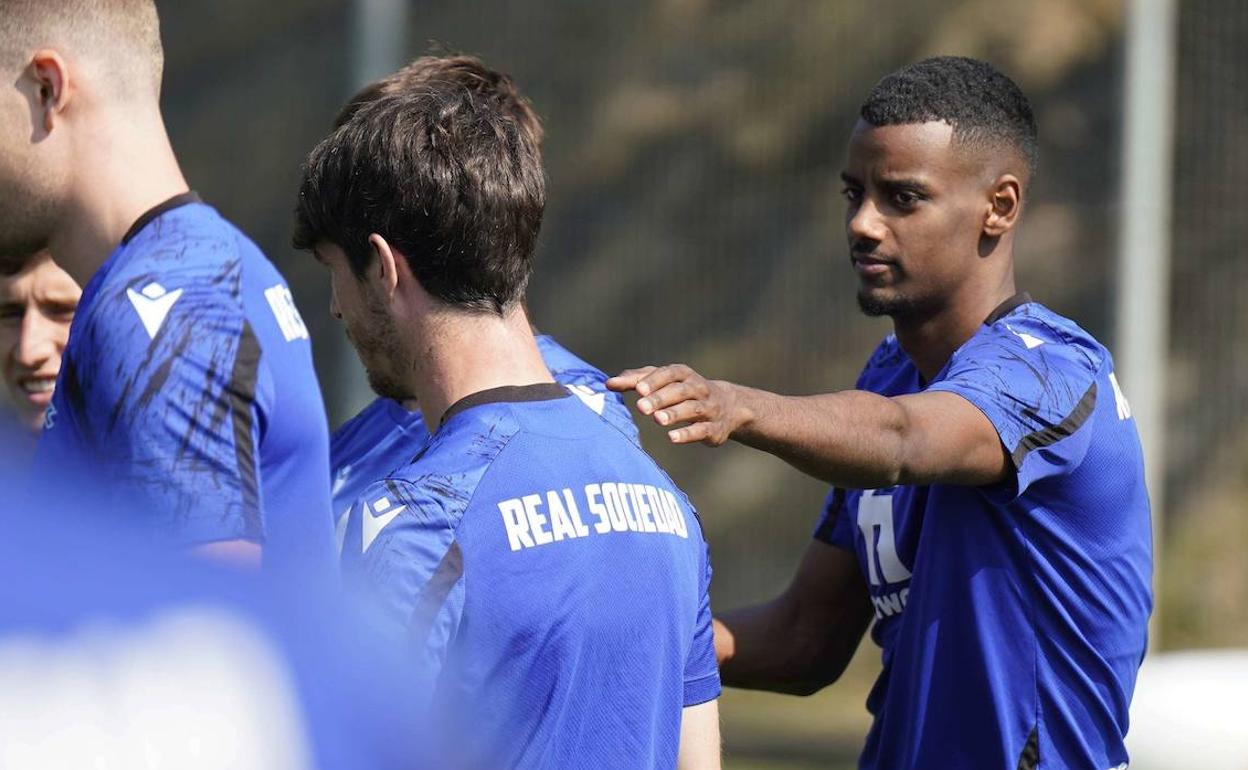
983,105
468,72
442,160
118,39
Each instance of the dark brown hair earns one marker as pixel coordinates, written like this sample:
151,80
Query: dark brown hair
446,168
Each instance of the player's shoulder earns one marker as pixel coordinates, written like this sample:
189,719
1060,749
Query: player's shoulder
564,364
883,365
447,472
1033,332
588,383
369,421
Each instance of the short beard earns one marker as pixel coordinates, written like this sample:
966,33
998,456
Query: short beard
893,307
898,307
381,347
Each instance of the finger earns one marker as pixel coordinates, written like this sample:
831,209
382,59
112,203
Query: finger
628,379
690,434
664,375
686,411
670,395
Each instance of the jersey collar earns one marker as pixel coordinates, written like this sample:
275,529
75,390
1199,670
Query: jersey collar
1007,307
161,208
542,391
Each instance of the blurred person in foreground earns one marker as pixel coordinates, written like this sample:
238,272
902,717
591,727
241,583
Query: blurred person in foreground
113,655
989,510
388,433
187,382
546,572
37,306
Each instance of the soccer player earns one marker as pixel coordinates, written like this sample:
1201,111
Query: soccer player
36,308
545,570
387,433
989,510
187,381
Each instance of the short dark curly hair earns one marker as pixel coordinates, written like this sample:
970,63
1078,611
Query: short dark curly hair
981,103
447,171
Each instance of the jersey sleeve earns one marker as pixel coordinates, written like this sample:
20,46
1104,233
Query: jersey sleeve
400,547
1038,391
173,392
701,669
835,526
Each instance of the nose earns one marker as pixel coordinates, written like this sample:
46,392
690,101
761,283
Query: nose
42,338
865,223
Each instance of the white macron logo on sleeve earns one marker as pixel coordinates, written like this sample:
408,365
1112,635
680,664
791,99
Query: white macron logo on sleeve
589,397
377,517
288,319
153,304
1030,340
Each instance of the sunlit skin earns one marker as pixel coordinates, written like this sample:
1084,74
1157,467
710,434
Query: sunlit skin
36,308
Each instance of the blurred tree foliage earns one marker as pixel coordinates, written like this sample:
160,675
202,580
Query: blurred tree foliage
693,154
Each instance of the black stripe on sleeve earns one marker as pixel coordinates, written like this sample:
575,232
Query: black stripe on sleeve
1055,433
434,594
1030,758
836,509
241,393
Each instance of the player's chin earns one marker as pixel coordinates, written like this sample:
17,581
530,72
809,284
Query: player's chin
877,301
384,385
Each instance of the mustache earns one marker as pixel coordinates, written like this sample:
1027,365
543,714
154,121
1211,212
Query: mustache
865,251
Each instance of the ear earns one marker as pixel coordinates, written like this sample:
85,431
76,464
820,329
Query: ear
1005,203
387,265
50,74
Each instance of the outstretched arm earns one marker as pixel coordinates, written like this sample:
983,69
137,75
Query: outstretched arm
852,438
801,641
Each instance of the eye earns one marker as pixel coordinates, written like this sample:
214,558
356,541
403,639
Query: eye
851,194
11,314
905,199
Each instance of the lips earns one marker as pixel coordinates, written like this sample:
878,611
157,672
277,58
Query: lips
37,388
868,266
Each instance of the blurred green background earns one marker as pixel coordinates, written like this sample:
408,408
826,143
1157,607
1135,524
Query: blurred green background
693,154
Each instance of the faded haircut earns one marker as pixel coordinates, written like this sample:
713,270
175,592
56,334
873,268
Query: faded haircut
120,36
981,103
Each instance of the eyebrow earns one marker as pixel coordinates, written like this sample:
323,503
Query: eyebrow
892,183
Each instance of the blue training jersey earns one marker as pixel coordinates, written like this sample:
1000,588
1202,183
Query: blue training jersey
115,655
1012,618
550,578
187,385
385,436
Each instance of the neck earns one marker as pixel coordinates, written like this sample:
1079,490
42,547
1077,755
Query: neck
469,353
122,169
929,341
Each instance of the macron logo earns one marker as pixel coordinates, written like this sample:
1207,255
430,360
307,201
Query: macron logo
1028,340
153,304
590,397
376,518
289,321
